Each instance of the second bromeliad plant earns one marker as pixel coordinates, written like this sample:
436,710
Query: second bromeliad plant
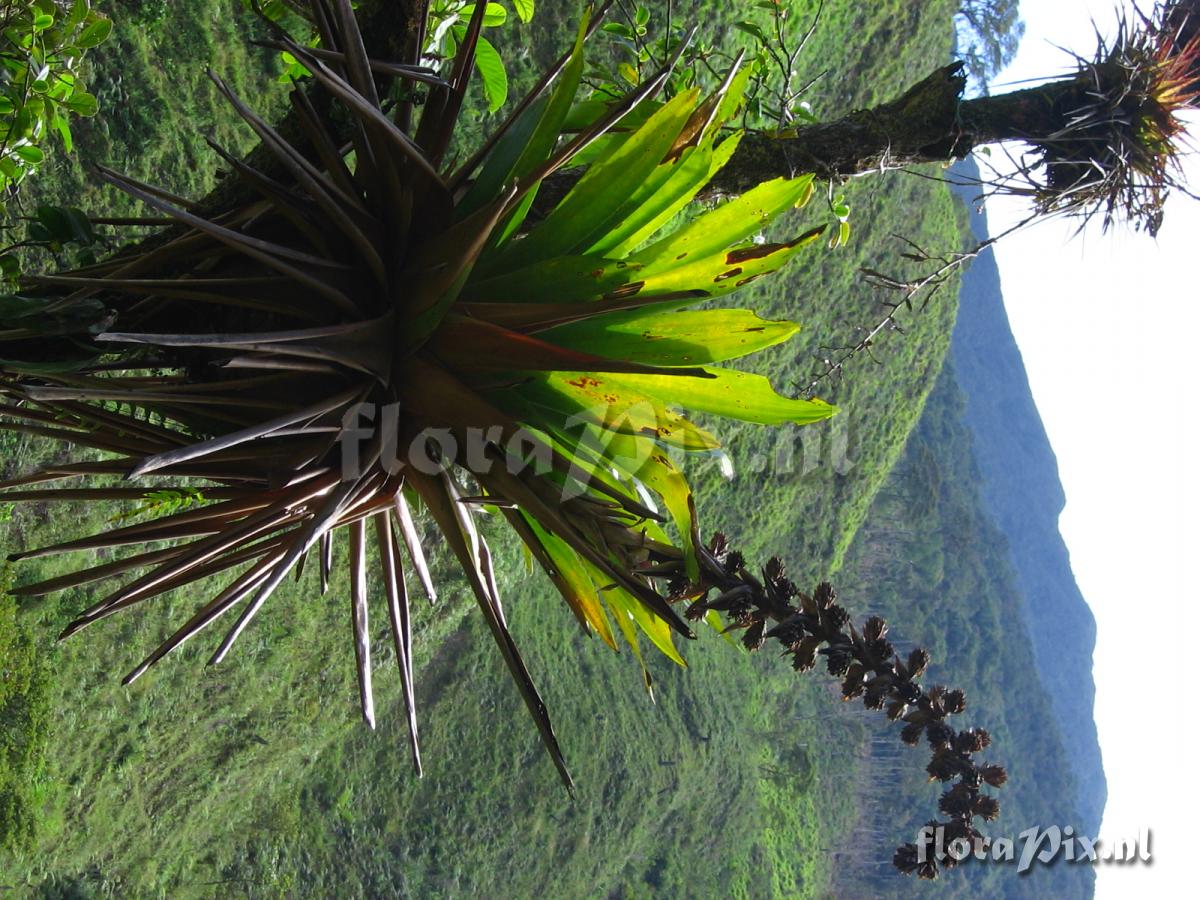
239,350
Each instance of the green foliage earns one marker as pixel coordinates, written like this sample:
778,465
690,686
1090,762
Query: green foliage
58,232
141,12
162,503
24,723
160,106
448,27
42,43
989,32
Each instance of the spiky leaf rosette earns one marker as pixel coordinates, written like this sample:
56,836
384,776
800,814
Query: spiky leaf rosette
1118,156
371,331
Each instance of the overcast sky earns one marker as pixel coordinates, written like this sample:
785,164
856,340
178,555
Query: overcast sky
1105,324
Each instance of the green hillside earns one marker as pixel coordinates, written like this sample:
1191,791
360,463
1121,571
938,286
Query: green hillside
255,778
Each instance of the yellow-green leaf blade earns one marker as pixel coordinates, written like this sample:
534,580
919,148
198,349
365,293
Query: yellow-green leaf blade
736,395
672,337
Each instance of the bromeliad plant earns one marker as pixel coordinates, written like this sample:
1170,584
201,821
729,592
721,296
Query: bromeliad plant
374,285
376,328
1117,153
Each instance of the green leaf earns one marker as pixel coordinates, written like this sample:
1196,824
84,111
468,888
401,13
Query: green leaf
593,472
491,70
587,112
658,472
752,29
672,337
601,198
95,34
530,140
493,14
723,272
442,268
81,226
64,131
665,191
665,194
56,222
571,279
734,97
728,224
30,154
625,605
64,85
629,631
736,395
805,196
523,9
601,401
713,618
42,22
502,163
573,580
63,225
79,11
82,103
562,279
17,311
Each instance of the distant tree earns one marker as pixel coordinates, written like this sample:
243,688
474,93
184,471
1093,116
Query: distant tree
988,32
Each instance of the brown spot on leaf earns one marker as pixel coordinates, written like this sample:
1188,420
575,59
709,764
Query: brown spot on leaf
747,280
758,251
584,382
730,274
625,290
811,234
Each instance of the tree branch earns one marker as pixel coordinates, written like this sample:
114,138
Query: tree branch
929,123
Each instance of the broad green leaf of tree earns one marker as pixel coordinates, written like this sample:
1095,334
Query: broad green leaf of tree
492,74
523,9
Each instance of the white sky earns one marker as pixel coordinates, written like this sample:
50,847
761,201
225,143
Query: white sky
1105,324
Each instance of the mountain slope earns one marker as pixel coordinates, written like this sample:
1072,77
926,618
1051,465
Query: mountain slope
933,562
1021,488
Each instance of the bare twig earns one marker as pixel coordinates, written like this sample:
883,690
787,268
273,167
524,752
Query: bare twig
913,293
